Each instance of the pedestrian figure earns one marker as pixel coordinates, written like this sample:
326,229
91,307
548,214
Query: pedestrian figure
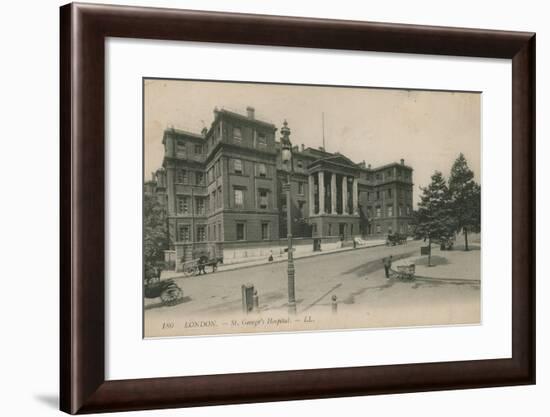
387,265
270,259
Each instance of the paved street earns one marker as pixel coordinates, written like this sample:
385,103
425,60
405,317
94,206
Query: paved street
212,303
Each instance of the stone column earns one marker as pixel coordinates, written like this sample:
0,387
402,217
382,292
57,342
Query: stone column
333,193
321,192
311,201
355,197
345,195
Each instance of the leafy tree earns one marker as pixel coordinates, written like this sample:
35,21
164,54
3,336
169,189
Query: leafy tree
465,198
155,239
434,218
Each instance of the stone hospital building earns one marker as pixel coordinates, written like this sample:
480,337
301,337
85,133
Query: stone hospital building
222,190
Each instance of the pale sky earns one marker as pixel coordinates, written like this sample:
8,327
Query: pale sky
426,128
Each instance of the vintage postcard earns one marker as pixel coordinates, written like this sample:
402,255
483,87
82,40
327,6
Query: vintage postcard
284,208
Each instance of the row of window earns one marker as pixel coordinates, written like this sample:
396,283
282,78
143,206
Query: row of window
377,195
241,232
183,150
183,176
387,175
239,197
184,206
402,211
214,232
238,168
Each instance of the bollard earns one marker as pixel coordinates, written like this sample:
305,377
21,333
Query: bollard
256,300
334,304
247,291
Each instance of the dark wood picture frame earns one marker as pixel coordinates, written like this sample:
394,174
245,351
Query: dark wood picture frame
84,29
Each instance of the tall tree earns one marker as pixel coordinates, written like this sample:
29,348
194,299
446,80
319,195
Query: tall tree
155,239
434,218
465,198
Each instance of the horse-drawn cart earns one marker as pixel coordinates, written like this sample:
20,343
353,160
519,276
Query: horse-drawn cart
396,239
405,272
198,266
168,291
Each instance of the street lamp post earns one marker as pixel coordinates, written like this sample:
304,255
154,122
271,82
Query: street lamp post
286,157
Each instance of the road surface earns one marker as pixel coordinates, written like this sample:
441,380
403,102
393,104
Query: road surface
365,298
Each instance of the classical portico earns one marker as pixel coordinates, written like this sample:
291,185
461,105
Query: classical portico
333,197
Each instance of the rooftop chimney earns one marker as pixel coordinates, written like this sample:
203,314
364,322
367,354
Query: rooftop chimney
303,147
369,166
402,161
250,112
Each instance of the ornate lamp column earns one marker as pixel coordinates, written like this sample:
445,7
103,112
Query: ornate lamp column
286,157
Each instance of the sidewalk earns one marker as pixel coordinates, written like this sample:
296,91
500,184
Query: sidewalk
276,259
448,266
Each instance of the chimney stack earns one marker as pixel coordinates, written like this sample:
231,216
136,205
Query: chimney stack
369,166
402,161
303,147
250,112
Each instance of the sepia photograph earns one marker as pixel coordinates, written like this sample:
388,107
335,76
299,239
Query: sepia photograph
293,207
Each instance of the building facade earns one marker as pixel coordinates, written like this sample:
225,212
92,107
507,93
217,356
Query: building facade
225,185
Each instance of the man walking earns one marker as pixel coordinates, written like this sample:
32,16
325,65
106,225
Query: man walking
387,265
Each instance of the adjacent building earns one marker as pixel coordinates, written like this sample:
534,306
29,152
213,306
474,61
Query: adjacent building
223,188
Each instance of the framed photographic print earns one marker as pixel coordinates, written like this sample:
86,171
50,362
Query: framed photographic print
263,208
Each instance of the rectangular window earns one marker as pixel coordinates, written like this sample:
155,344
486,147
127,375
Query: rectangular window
263,199
201,233
199,178
183,205
183,233
389,193
200,205
220,237
219,200
378,229
265,231
181,176
239,198
238,166
240,231
330,229
181,150
262,170
218,169
299,163
237,134
378,177
390,211
301,188
378,195
262,139
378,212
198,149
